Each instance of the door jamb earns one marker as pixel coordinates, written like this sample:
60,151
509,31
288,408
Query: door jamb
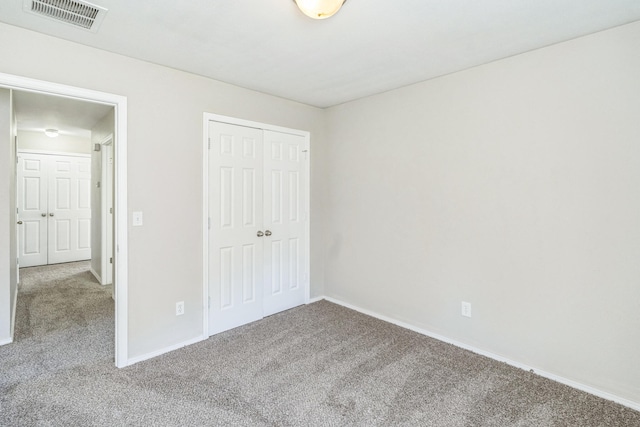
207,117
104,259
119,103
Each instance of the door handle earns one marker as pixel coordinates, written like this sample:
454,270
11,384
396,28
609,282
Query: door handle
50,214
43,214
259,234
19,222
267,233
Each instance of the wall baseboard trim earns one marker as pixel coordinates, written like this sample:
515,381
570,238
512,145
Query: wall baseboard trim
579,386
147,356
315,299
96,275
6,341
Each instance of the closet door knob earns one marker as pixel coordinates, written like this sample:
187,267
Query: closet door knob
19,222
43,214
260,234
50,214
267,233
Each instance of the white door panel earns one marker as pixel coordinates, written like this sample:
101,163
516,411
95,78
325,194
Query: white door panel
284,204
107,274
69,209
235,250
32,210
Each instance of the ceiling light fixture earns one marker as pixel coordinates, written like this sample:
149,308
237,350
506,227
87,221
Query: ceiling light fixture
51,133
320,9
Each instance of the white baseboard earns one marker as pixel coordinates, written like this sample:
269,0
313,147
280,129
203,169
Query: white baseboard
315,299
6,341
588,389
134,360
96,275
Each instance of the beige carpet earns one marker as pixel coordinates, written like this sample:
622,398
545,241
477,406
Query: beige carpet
316,365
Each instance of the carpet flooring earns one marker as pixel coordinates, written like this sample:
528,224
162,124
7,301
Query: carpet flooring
315,365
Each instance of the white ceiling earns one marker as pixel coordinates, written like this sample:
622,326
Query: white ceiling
369,47
36,112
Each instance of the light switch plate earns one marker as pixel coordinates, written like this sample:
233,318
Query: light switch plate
466,309
137,219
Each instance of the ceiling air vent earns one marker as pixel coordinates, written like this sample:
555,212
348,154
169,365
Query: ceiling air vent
77,13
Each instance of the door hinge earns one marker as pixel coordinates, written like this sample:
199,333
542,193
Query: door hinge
111,260
17,261
110,210
209,144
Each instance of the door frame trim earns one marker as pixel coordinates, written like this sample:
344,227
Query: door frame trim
119,103
53,153
207,117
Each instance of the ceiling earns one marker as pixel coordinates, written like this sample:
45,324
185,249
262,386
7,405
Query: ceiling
37,112
370,46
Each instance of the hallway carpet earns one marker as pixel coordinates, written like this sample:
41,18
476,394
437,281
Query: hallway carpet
315,365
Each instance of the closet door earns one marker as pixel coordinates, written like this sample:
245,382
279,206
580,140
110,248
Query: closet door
54,208
69,228
32,209
284,222
235,235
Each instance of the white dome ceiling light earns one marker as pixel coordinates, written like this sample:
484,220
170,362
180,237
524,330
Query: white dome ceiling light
51,133
320,9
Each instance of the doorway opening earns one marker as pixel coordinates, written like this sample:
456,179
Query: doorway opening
111,268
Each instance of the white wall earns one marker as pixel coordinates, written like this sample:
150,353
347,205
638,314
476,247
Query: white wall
101,130
513,186
8,249
165,113
32,140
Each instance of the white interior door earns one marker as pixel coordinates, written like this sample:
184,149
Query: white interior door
284,222
32,209
235,213
107,165
258,223
69,229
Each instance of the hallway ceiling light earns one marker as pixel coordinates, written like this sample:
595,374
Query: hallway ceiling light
51,133
320,9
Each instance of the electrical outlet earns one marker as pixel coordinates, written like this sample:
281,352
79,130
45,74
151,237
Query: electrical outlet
466,309
137,219
179,308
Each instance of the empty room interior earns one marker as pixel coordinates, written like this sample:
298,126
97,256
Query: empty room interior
320,212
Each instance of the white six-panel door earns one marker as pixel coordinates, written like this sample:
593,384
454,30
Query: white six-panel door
257,236
69,209
32,210
235,211
284,221
54,207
